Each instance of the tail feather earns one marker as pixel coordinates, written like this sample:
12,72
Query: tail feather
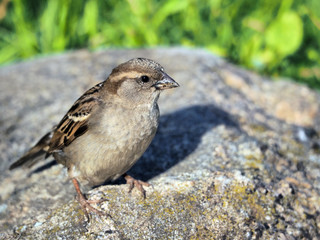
35,153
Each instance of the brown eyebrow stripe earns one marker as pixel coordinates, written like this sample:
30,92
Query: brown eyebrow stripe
118,76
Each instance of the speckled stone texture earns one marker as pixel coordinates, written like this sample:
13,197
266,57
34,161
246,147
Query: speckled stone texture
236,156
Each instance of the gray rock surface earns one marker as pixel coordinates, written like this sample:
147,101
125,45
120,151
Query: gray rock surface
237,156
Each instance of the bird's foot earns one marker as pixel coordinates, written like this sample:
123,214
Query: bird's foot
87,208
85,203
136,183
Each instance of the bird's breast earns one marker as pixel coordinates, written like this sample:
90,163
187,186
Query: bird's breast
125,127
114,143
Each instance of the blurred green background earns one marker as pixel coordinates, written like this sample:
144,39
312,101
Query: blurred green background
277,38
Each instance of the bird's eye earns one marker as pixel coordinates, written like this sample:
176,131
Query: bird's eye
145,78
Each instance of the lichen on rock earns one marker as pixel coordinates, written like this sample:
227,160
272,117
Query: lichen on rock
236,155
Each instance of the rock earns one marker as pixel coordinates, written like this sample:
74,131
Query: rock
236,155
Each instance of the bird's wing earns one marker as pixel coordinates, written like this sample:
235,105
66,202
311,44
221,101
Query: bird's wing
73,125
35,153
75,122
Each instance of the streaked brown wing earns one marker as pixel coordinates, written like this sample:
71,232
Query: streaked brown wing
75,122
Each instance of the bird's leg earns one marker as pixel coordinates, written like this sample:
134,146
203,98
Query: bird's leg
136,183
85,204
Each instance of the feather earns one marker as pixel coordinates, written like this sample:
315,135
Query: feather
35,153
75,123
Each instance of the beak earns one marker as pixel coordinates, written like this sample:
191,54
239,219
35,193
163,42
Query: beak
165,83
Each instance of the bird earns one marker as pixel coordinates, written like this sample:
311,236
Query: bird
107,129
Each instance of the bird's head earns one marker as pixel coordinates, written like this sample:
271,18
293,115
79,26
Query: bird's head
139,80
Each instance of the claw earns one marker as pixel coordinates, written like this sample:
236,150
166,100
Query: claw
86,204
136,183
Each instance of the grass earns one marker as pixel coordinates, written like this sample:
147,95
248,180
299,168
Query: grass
278,38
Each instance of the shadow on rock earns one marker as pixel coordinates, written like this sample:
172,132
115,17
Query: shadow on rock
179,134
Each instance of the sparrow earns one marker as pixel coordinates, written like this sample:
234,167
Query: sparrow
107,129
